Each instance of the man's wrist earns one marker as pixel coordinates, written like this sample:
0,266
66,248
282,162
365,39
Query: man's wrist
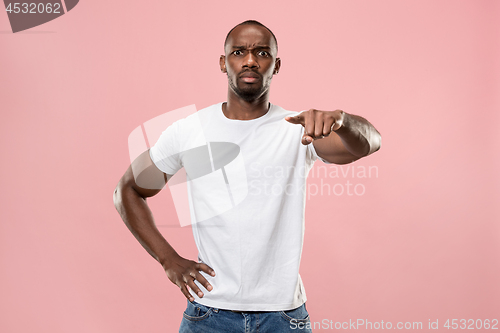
167,258
345,124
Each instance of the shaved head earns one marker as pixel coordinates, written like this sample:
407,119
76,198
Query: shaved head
251,22
250,61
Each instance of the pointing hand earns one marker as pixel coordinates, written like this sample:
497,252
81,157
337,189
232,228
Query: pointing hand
317,124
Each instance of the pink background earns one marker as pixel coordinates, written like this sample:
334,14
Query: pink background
421,243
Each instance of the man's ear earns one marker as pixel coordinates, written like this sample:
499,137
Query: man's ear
222,63
277,66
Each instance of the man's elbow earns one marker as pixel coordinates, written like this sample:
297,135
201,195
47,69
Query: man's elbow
118,195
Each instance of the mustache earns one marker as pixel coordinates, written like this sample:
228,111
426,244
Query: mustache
249,71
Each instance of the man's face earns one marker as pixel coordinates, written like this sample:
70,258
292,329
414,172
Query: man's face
250,61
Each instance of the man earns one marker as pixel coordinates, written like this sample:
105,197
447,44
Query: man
247,275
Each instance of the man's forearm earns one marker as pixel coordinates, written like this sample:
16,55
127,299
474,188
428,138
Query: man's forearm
359,137
138,217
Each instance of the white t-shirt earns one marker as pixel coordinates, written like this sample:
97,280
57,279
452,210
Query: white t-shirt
246,183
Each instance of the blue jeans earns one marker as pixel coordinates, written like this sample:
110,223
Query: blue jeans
203,319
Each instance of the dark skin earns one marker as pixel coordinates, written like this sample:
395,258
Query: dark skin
250,61
250,51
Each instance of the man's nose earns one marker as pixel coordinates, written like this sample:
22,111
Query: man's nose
250,61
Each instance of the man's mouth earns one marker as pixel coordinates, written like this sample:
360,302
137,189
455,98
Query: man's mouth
249,77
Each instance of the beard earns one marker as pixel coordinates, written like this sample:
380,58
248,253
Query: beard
250,92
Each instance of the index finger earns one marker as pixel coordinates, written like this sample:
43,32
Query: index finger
298,119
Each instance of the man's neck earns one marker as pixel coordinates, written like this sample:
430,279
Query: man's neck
236,108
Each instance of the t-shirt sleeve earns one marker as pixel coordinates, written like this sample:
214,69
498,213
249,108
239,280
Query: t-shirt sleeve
165,154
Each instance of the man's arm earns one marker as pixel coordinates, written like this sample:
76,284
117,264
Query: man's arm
142,180
338,137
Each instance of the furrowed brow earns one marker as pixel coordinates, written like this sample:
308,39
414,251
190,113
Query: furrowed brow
237,47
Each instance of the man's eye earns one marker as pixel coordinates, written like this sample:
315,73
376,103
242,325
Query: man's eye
237,52
264,53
